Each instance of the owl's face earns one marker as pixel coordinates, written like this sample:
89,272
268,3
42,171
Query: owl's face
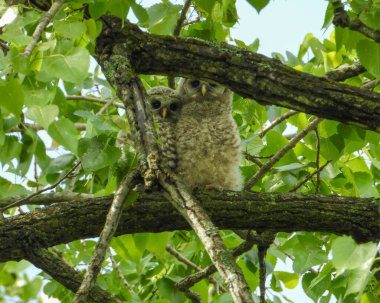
165,103
202,90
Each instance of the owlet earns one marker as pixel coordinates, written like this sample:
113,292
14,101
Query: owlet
208,141
165,104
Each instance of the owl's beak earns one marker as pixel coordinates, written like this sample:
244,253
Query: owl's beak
203,89
164,112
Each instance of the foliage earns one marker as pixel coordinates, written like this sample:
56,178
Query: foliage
43,132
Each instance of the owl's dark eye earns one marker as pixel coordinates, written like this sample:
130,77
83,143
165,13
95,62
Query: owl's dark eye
173,107
195,83
156,104
213,85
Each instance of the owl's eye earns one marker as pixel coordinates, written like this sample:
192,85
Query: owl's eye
195,83
213,85
173,107
156,104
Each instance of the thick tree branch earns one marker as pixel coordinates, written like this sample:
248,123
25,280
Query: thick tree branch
66,222
65,274
248,74
341,18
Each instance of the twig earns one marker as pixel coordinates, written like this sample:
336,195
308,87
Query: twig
316,172
60,271
120,274
105,237
192,279
341,18
105,107
345,71
267,166
21,201
253,159
44,21
277,121
177,31
183,259
92,99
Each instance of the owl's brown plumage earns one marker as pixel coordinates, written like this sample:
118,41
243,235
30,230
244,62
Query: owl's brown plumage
208,141
166,104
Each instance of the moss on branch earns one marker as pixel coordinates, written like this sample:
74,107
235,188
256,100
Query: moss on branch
248,74
69,221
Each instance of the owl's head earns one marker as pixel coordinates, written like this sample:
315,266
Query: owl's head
164,102
201,90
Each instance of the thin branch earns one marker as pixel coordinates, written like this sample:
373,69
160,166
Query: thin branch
253,159
316,172
192,279
60,271
341,18
25,199
277,121
92,99
105,107
267,166
44,21
345,71
177,31
120,274
183,259
105,237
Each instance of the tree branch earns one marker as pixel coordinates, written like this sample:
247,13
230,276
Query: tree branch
342,19
248,74
64,274
267,166
44,21
66,222
110,226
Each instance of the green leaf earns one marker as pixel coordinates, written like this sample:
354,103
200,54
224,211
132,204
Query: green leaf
307,252
205,5
38,96
349,255
369,55
371,18
29,143
118,8
258,4
14,34
71,66
43,115
163,18
64,132
96,153
12,96
140,13
69,30
290,280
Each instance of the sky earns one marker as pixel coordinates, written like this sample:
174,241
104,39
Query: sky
280,27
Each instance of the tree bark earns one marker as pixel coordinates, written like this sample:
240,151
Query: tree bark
68,221
249,74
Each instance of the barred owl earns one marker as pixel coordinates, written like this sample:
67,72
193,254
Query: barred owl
165,104
208,141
